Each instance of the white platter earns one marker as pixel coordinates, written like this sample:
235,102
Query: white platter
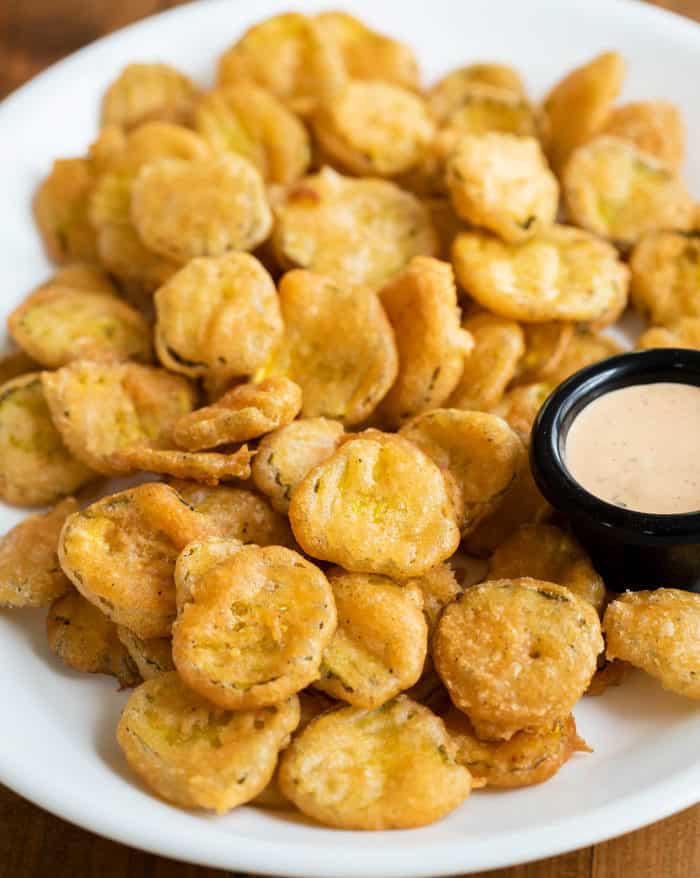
57,746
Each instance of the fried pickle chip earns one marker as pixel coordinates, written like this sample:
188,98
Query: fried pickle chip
85,639
615,190
196,755
610,674
30,575
478,454
143,145
123,254
656,127
245,412
196,561
81,276
208,467
498,348
545,346
516,654
421,304
389,768
285,456
684,333
237,513
338,346
36,468
57,325
151,657
218,316
15,364
104,408
563,274
579,105
659,632
584,349
61,212
354,231
255,628
378,505
439,587
525,759
455,89
147,92
374,128
381,641
502,182
249,120
543,551
520,406
483,108
666,276
214,206
120,554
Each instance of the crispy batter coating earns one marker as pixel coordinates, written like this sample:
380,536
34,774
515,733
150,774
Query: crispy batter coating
120,554
525,759
36,468
520,406
104,408
656,127
119,160
196,561
684,333
421,304
61,212
152,656
666,276
378,505
81,276
584,349
389,768
659,632
85,639
478,454
255,627
124,255
208,467
355,231
456,88
502,182
439,587
545,346
196,755
516,654
381,641
483,108
30,575
285,456
563,274
148,92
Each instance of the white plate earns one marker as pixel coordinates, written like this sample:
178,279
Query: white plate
57,746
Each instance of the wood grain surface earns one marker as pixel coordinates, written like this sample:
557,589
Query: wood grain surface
34,844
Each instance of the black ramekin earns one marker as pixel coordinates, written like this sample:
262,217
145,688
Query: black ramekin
631,550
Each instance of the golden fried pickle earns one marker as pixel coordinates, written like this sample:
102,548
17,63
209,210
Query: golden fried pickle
151,657
123,254
81,276
208,467
484,108
520,406
196,561
439,587
61,212
684,333
456,88
666,276
656,127
545,346
148,92
584,349
120,163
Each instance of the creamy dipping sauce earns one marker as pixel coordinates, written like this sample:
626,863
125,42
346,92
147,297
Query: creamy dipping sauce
639,447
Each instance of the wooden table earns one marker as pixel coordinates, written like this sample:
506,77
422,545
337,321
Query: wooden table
34,844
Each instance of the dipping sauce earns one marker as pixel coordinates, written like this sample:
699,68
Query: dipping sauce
639,447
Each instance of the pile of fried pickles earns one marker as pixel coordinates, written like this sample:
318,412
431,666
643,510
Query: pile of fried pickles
323,305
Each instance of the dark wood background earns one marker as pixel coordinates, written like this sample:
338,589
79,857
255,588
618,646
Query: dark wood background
34,844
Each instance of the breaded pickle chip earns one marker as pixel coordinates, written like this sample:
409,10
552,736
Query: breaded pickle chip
525,759
30,575
456,88
389,768
285,456
151,657
120,554
104,408
61,212
478,454
520,406
498,348
123,254
374,128
439,588
516,654
196,755
609,674
81,276
545,346
143,145
615,190
237,513
85,639
244,412
579,104
354,231
14,364
485,108
338,346
381,641
36,468
254,630
214,206
148,92
659,632
218,316
378,505
421,304
502,183
57,325
542,551
247,119
656,127
196,561
563,274
666,276
208,467
684,333
584,349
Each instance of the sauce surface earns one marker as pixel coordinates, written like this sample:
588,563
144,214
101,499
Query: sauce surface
639,447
